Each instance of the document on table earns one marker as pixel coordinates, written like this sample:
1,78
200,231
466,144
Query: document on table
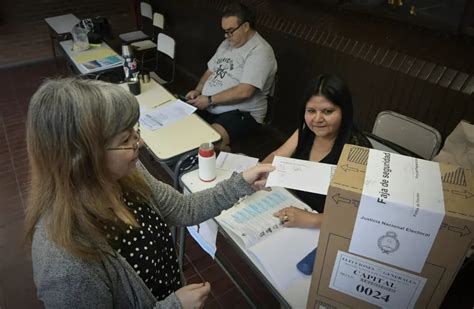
280,253
164,115
205,233
301,175
277,248
252,219
234,162
96,54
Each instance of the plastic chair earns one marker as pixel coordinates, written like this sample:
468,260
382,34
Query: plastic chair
146,11
409,133
158,26
271,101
165,50
385,145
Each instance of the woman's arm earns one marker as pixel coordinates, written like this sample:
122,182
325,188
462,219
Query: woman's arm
179,209
285,150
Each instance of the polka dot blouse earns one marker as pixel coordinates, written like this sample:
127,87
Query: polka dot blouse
148,249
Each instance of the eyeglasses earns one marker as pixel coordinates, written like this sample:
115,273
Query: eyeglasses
229,33
135,145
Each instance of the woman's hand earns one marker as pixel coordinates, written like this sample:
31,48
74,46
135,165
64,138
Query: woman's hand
257,175
296,217
193,295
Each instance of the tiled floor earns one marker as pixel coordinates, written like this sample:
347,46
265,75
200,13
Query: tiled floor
16,286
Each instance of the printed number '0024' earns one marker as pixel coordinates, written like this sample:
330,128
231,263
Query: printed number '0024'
373,293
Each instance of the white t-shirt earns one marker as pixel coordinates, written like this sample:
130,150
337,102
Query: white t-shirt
253,63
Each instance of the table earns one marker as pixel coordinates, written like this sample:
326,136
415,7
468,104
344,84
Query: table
169,143
296,295
92,61
60,28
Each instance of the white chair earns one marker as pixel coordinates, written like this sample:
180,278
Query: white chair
165,62
146,12
409,133
158,26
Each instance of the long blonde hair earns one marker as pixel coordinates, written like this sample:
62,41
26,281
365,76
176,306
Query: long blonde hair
69,125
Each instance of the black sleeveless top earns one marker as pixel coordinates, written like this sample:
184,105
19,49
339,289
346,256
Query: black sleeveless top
314,200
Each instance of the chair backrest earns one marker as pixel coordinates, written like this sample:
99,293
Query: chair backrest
165,44
382,144
146,10
271,100
158,21
409,133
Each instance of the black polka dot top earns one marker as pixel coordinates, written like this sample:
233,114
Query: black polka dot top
148,249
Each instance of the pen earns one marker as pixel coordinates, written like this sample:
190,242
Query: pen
163,103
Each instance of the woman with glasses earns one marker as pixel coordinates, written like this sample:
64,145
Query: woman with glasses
98,222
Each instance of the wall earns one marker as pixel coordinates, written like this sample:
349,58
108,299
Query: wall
421,73
22,25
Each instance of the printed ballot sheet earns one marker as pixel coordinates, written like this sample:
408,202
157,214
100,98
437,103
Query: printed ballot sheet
277,248
234,162
301,175
400,212
166,114
252,219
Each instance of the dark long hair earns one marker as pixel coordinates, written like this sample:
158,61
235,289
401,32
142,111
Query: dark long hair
333,88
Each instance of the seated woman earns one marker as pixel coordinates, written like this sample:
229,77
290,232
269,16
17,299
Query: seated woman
98,225
326,124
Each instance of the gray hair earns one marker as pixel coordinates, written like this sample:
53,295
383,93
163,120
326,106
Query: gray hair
73,119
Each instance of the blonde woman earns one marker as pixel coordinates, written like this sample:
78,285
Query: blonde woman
98,224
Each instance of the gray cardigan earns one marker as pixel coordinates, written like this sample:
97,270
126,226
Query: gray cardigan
65,281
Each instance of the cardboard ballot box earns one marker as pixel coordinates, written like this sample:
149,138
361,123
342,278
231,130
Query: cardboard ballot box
395,232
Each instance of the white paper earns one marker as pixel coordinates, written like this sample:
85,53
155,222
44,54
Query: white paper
205,233
375,283
277,248
400,212
252,220
164,115
301,175
280,253
234,162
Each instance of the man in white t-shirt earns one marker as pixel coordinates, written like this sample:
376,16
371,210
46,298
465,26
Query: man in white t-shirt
232,94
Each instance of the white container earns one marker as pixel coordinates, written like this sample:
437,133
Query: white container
207,162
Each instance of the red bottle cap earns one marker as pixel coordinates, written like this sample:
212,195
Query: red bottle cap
206,150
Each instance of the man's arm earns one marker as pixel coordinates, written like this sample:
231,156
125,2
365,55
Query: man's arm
197,91
229,96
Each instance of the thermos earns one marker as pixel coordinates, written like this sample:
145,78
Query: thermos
129,62
207,162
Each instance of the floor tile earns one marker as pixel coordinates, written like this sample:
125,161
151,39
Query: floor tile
218,279
233,299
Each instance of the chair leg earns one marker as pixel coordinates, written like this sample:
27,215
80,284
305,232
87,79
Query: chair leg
181,248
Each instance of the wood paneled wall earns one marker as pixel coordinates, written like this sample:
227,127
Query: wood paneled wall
388,66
